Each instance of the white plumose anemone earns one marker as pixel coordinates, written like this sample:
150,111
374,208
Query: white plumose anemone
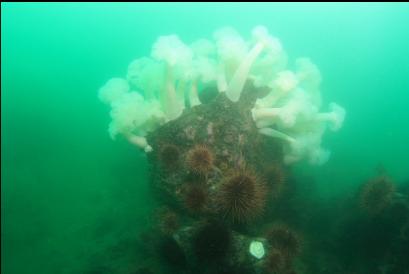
158,89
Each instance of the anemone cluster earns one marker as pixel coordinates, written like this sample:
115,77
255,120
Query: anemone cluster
220,121
159,88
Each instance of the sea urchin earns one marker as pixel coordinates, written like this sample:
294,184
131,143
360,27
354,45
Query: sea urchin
195,197
274,262
283,238
376,195
241,197
200,159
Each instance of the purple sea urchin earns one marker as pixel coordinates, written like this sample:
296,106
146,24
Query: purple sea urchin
168,221
200,159
376,195
274,261
195,197
241,197
283,238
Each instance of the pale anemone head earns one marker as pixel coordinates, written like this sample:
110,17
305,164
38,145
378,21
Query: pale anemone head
309,77
132,115
146,75
271,61
230,45
205,69
337,116
203,48
113,90
260,34
286,81
171,50
307,72
318,156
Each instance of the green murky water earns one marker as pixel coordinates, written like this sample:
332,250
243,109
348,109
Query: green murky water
74,201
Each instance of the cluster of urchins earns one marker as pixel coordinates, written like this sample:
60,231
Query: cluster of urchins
214,214
239,199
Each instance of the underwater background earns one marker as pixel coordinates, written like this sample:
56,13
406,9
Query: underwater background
74,201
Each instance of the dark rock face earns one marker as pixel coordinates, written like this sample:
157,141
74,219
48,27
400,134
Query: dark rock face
227,130
212,242
192,156
172,253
